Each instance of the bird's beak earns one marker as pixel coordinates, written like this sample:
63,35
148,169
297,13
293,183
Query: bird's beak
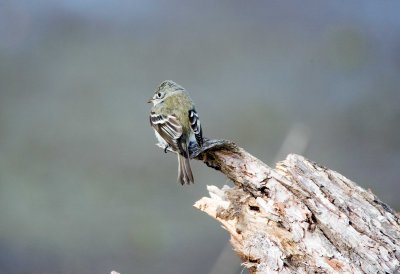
150,101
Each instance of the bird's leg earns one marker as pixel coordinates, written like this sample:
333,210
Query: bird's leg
166,148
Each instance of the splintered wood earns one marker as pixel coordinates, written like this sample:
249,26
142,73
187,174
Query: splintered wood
299,217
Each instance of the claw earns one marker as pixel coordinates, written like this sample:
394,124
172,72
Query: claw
166,148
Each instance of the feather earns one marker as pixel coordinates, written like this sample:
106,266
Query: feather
169,128
196,126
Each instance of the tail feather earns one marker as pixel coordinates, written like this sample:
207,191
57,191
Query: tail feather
185,175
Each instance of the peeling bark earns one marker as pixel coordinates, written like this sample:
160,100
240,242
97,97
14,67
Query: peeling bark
299,217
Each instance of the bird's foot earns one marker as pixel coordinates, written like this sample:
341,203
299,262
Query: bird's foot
166,148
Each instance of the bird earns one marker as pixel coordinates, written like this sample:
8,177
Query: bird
176,124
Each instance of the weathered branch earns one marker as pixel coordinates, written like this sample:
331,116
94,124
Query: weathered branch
299,217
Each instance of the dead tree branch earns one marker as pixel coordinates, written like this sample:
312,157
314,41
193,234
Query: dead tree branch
299,217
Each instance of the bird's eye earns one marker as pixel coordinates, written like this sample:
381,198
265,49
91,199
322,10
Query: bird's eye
159,94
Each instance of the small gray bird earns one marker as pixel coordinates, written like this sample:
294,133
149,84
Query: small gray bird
176,124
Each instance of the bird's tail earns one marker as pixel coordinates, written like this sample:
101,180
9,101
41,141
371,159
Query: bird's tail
185,175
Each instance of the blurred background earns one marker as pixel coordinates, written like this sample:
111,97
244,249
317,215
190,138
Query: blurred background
83,188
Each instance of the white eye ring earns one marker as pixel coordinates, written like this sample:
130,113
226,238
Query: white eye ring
158,95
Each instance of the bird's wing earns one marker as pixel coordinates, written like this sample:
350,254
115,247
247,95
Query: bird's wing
169,129
196,126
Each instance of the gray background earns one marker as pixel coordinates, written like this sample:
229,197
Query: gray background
83,189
